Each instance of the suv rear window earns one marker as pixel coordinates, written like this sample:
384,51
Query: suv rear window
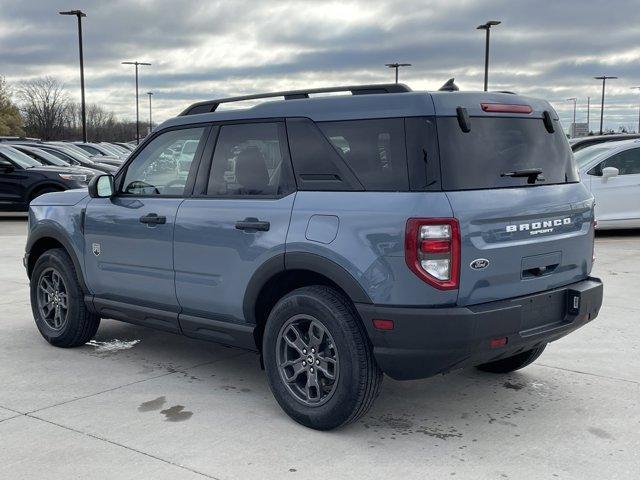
476,159
374,149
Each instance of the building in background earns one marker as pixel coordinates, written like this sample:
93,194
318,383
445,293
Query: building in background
577,130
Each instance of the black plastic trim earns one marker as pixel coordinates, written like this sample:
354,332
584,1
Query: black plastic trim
331,270
40,232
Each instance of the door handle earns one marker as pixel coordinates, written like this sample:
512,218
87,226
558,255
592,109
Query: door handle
153,219
251,223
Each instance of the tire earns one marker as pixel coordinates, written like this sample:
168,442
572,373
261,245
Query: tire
319,312
63,327
516,362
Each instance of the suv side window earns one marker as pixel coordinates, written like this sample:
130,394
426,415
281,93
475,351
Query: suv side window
374,149
250,159
627,162
162,167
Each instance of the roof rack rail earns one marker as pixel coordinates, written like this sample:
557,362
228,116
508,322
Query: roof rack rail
211,105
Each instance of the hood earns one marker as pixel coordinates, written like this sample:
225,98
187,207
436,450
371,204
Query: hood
65,198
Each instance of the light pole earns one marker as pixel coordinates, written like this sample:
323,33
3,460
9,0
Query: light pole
573,126
637,88
396,66
487,26
79,14
604,78
588,108
149,93
136,63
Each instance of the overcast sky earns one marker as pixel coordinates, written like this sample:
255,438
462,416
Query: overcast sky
205,49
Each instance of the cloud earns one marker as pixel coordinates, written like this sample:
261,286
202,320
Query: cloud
201,50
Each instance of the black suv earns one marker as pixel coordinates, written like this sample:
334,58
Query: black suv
22,179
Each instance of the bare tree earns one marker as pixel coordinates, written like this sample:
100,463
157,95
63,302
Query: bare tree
44,107
10,119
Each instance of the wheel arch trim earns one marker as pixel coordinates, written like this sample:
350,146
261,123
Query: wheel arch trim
300,261
50,231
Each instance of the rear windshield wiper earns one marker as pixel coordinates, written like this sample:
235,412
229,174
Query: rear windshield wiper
531,174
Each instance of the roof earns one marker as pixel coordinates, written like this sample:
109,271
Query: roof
361,106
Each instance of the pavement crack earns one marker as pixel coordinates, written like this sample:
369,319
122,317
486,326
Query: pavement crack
166,374
117,444
588,373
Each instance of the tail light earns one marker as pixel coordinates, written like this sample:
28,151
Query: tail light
432,250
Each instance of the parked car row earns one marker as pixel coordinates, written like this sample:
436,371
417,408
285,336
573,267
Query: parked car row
30,167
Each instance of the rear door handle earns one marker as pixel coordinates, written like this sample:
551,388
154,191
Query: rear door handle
153,219
251,223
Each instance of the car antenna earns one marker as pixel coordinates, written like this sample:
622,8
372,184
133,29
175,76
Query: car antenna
449,86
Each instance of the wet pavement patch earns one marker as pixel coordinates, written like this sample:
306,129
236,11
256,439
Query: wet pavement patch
177,413
598,432
513,386
155,404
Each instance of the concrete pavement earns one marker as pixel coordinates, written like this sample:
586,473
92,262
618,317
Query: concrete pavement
138,404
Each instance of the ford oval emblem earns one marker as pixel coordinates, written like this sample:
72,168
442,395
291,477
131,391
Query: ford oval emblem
479,263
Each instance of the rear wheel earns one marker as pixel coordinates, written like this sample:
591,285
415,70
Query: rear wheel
318,359
57,301
516,362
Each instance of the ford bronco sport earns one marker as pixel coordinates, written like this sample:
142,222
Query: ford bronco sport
341,236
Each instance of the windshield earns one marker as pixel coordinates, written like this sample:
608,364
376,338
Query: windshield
19,158
583,157
46,157
499,152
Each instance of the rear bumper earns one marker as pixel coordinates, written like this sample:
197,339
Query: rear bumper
428,341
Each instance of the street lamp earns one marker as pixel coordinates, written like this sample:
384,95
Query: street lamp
487,26
396,66
637,88
573,126
604,78
79,14
149,93
136,63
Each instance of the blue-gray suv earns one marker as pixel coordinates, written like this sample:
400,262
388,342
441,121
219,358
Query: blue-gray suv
340,236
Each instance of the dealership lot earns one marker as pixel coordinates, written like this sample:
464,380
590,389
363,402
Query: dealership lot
138,403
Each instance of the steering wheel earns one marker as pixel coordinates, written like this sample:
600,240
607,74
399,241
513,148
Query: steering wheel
139,184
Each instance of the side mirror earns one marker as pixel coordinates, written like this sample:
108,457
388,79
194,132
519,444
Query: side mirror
608,172
101,186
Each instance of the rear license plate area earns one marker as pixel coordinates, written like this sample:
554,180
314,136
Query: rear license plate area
544,310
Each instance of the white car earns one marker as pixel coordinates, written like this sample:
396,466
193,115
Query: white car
611,171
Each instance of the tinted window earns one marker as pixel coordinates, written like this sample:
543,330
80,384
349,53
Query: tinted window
19,158
584,156
316,163
161,168
494,146
627,162
373,149
249,160
422,153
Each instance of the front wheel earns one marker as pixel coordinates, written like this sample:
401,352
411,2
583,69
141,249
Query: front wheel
318,359
57,301
513,363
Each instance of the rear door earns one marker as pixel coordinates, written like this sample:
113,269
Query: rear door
129,238
238,222
618,197
520,234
